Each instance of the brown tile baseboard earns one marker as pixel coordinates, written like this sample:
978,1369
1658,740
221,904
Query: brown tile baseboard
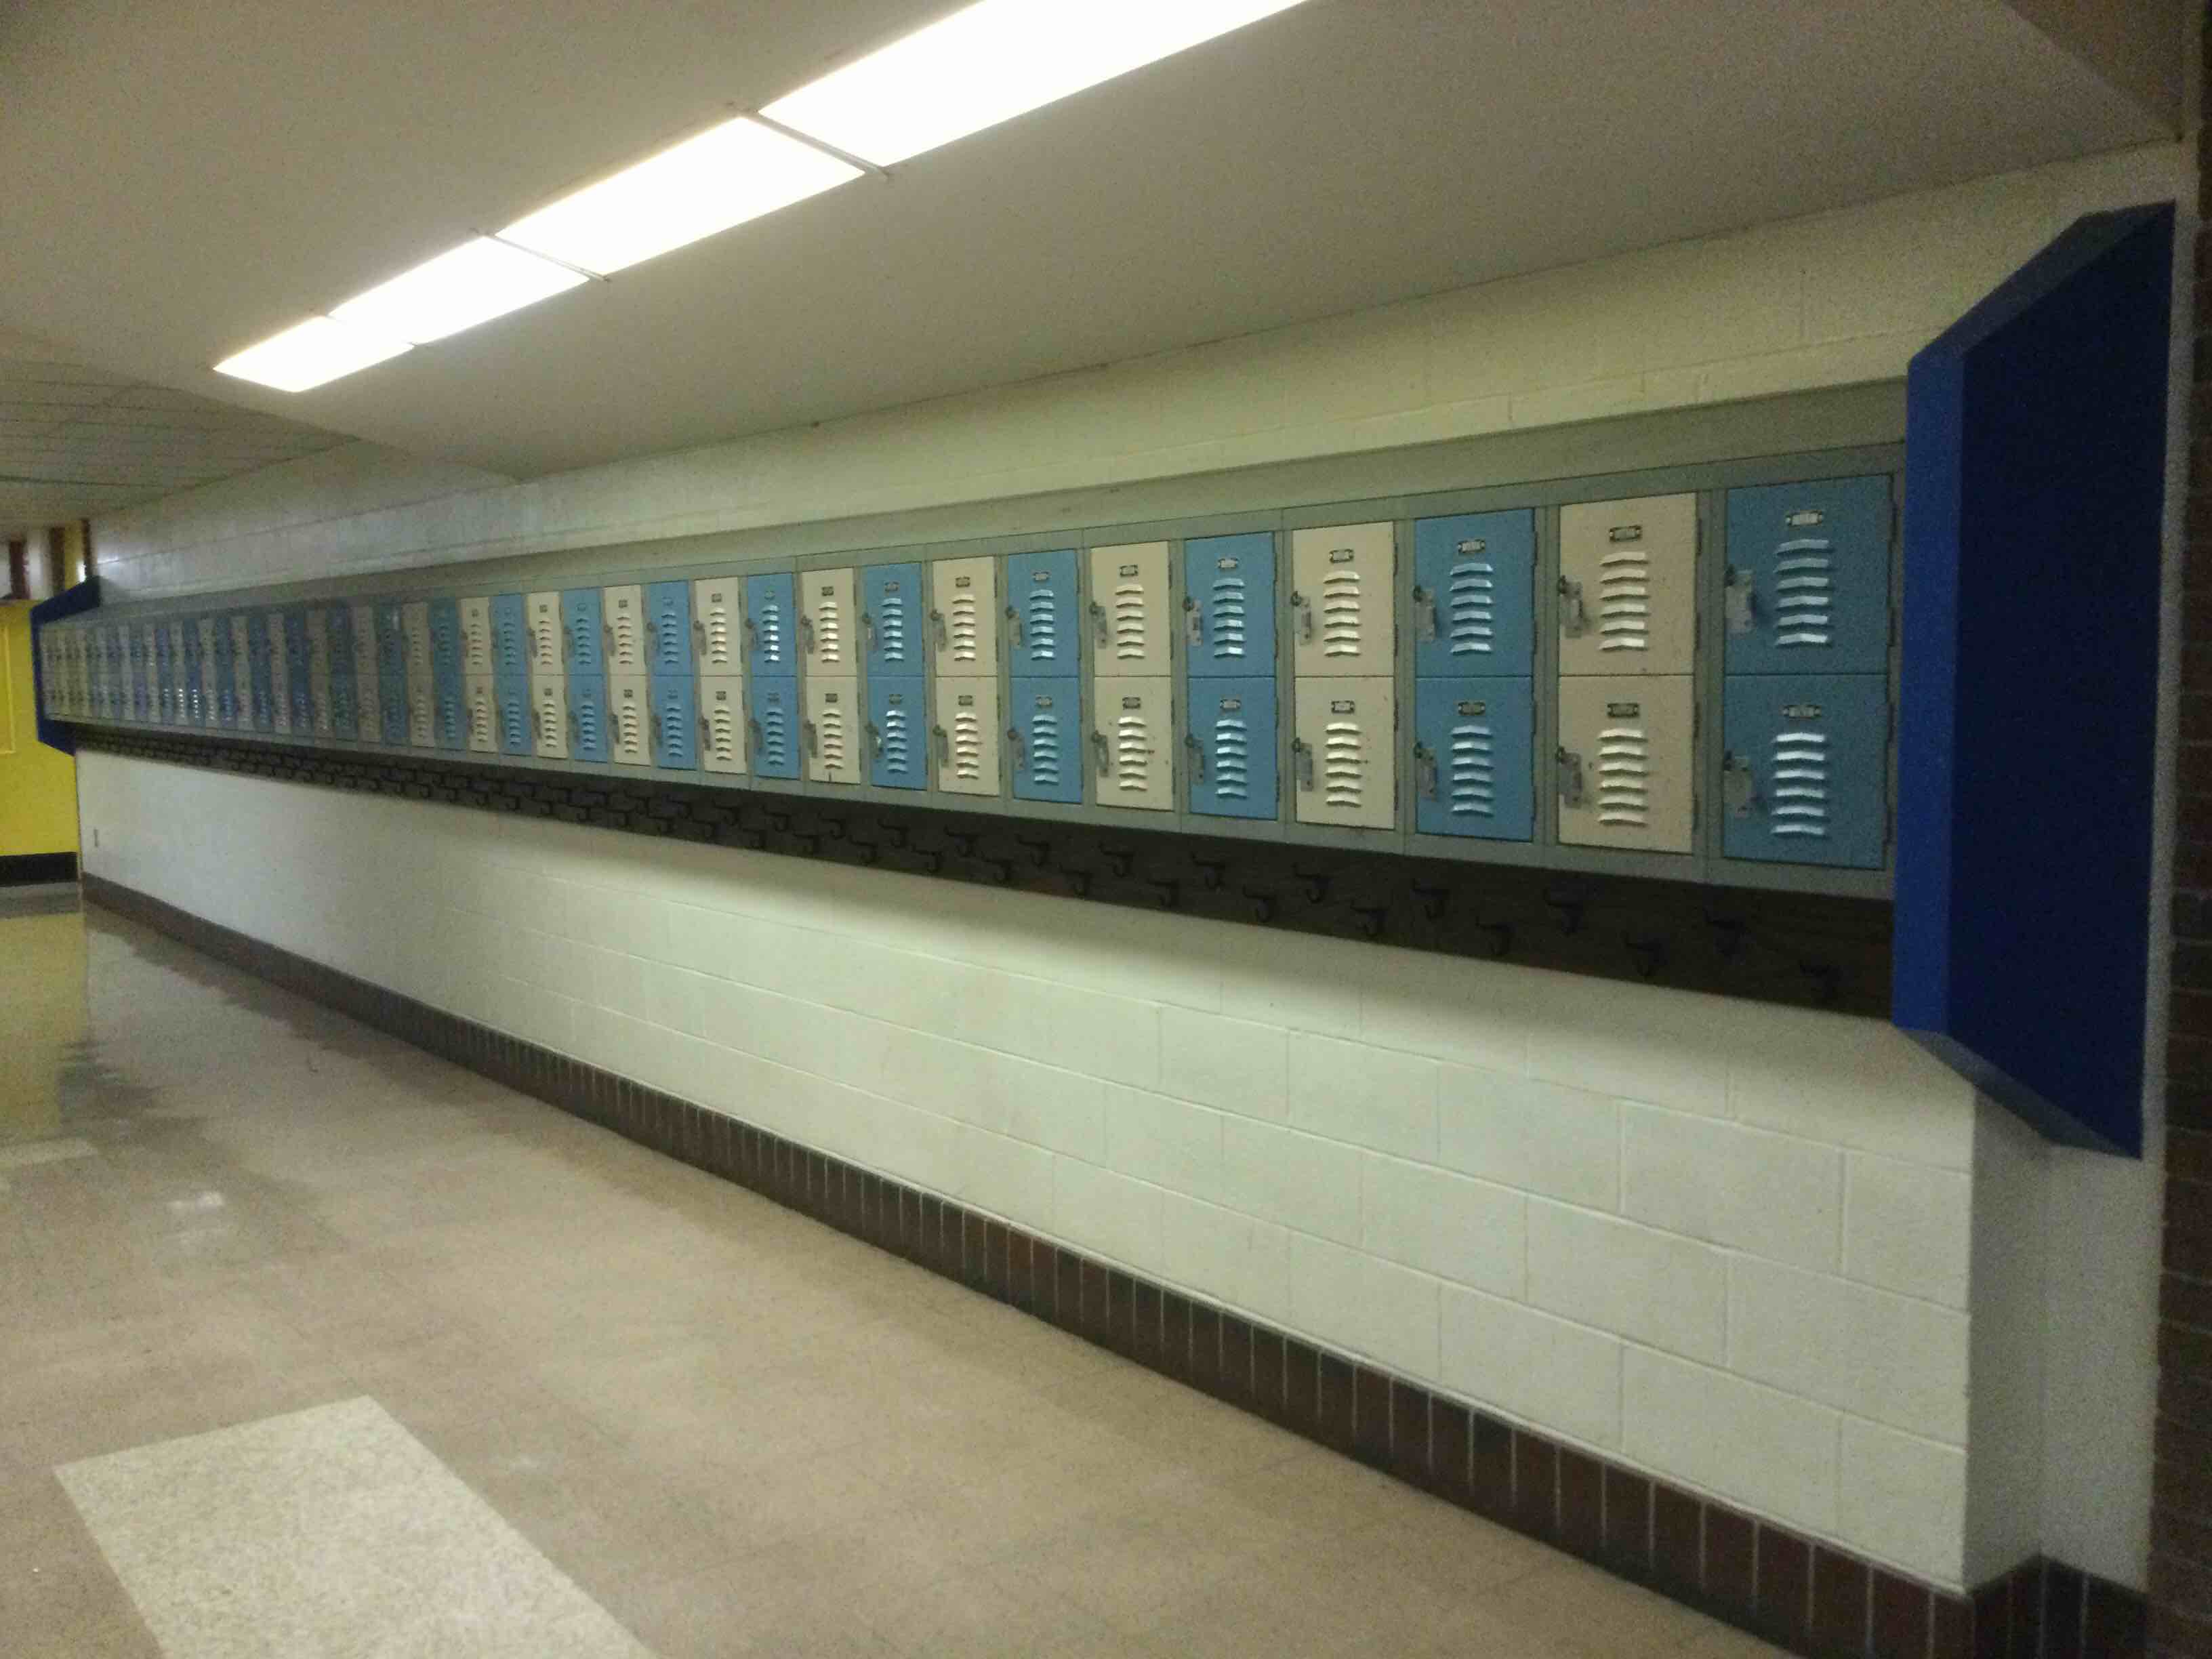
1793,1591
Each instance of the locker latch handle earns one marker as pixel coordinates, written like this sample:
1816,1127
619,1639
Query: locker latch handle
752,637
1739,602
1739,786
1019,749
706,737
813,738
1098,621
1425,771
1014,628
1197,757
806,634
572,728
1424,614
653,727
944,740
759,737
1302,762
875,740
1100,755
607,642
699,638
1574,616
868,631
1570,777
937,623
1304,606
1193,616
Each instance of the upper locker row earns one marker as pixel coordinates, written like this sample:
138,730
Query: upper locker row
1052,677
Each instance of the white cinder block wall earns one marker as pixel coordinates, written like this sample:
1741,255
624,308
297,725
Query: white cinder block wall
1726,1242
1761,1253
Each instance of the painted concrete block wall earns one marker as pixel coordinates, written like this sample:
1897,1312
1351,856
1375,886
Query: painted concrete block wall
1728,1243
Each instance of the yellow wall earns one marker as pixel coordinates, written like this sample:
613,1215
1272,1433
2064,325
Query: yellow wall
37,785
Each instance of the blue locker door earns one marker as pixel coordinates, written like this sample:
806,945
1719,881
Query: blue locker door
391,673
1474,758
345,697
296,654
771,627
165,674
1807,581
898,748
1045,720
1474,586
587,717
1230,749
1046,635
1229,606
345,707
511,713
445,639
510,642
668,625
675,714
226,675
891,619
583,639
259,649
192,713
1806,773
299,679
775,715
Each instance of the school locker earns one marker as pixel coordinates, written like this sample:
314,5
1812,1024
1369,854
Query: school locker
722,724
1474,758
472,617
1044,630
1624,761
545,633
629,709
481,710
1805,768
1474,582
367,696
963,618
1806,589
896,743
668,627
549,717
234,689
1231,745
828,623
624,629
966,736
1343,752
674,722
589,736
512,713
1627,594
1044,737
1133,743
279,675
299,683
1341,593
203,674
1129,628
771,627
833,723
510,635
715,631
891,621
139,643
261,662
773,723
583,643
322,719
149,665
165,674
1229,605
422,689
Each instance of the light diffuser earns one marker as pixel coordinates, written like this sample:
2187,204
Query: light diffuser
308,354
722,176
995,60
469,284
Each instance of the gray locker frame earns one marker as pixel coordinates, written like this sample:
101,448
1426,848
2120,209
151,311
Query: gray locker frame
690,560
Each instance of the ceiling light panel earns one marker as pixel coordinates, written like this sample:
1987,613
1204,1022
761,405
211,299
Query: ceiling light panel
995,60
723,177
469,284
309,354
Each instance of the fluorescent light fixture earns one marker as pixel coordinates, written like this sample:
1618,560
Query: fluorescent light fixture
469,284
723,176
308,354
995,60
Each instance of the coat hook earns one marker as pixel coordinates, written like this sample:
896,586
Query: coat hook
1263,903
1650,955
1826,978
1433,900
1567,903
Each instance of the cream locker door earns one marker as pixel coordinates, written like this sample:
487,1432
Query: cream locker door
1343,752
541,614
630,703
316,642
717,639
280,678
968,738
623,628
828,622
1130,635
475,635
483,711
364,659
1626,777
722,722
1628,588
834,719
549,716
964,619
1341,577
1133,742
319,668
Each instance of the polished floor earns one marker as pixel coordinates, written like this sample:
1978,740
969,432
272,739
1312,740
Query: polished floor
311,1344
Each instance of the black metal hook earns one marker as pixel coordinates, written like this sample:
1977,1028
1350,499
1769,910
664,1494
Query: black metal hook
1434,901
1650,955
1568,905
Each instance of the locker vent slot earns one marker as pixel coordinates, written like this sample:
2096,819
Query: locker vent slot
1344,764
511,657
580,642
549,707
1045,757
1473,769
1471,591
588,735
621,636
1232,757
1226,622
1623,602
475,645
1131,628
1133,753
515,728
898,740
722,733
964,624
1798,803
419,728
668,643
1041,628
890,630
830,732
1623,776
454,722
1341,612
480,721
714,628
775,736
967,742
1804,591
629,728
828,630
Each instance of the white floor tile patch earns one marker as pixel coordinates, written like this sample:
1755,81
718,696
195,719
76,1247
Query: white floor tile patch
29,1152
326,1533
